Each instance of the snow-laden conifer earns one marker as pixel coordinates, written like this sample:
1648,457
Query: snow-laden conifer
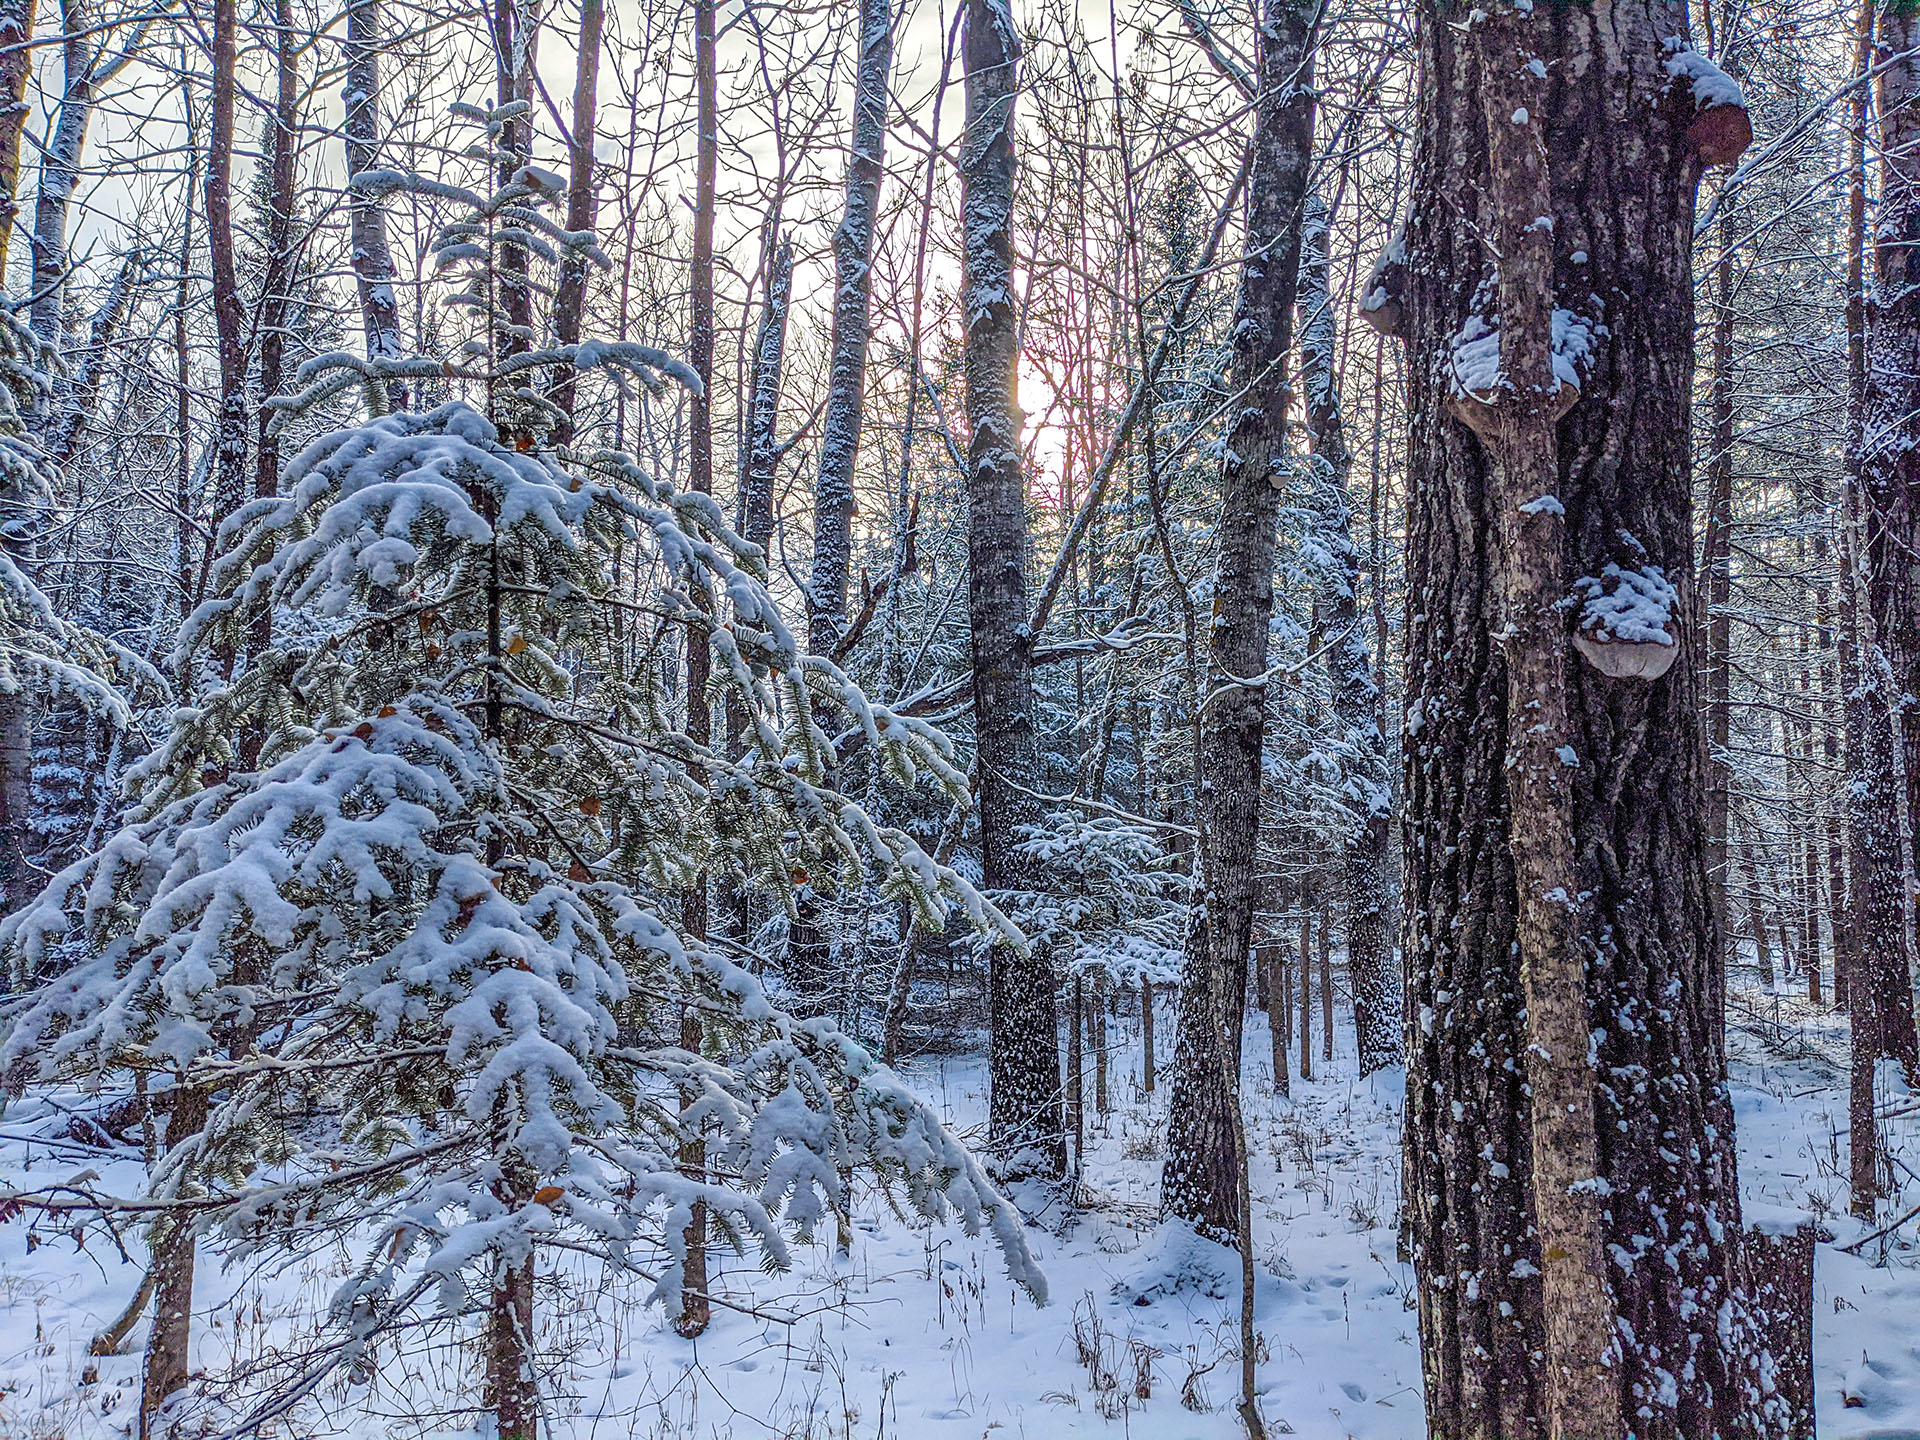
395,935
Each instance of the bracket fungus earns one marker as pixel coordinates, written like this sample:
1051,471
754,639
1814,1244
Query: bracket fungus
1623,627
1384,305
1474,356
1721,129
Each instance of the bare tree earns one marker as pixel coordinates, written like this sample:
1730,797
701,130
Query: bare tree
1204,1177
1025,1124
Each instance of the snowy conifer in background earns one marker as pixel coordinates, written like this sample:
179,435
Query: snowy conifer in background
394,937
43,655
1116,909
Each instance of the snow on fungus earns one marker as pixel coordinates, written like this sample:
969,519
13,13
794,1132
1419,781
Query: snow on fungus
1623,624
1474,355
1383,306
1721,129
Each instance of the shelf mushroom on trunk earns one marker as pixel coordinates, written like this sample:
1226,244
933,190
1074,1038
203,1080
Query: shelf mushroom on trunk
1721,130
1476,367
1622,631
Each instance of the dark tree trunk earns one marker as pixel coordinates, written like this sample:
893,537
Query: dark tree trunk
1367,785
1889,635
16,68
1278,1001
583,206
1024,1120
372,258
229,309
1306,997
696,1310
1204,1171
1716,564
763,416
1148,1079
847,356
166,1366
1625,964
277,278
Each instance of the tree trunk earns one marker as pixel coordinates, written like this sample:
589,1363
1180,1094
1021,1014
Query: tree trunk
184,500
60,172
1852,588
1717,565
277,276
372,258
1326,986
1076,1070
763,416
1204,1171
583,205
1097,1039
1762,951
1279,1003
229,310
59,176
1147,1078
1367,784
696,1310
1024,1122
1890,490
16,69
509,1390
166,1366
847,356
1557,899
1306,997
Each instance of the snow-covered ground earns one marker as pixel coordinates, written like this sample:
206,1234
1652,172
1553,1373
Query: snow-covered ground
918,1333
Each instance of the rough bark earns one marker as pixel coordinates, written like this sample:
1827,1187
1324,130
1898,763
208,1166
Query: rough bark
696,1310
16,68
372,257
229,309
1776,1278
763,417
583,206
847,353
1716,564
1204,1171
166,1367
1889,634
1624,964
1024,1123
1532,582
1367,784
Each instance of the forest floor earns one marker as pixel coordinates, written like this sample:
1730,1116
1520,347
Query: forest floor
919,1333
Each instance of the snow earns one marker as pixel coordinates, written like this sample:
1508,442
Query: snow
1635,606
916,1330
1712,86
1475,349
